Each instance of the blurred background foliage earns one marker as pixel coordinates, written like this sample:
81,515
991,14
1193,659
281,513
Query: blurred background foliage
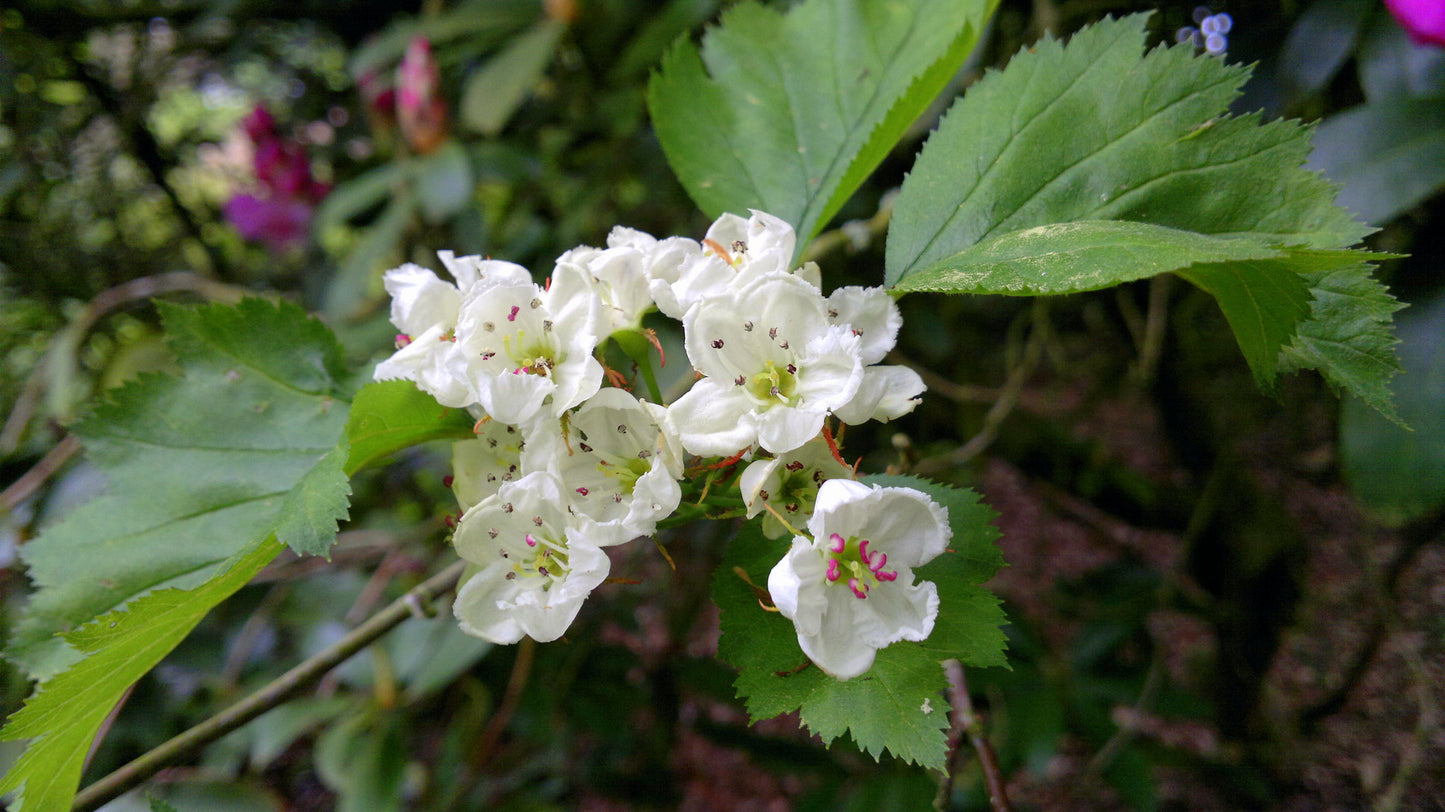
1217,600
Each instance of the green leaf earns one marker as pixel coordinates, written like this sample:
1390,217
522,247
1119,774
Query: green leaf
1400,474
495,92
388,416
789,113
477,24
1388,156
65,713
1159,148
1077,256
242,446
1349,336
898,705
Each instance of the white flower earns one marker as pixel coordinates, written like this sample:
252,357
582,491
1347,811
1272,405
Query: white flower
734,253
850,589
789,484
526,354
499,454
886,392
616,276
537,563
774,368
425,309
621,465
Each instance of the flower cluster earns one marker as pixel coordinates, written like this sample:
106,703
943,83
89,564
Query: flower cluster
568,461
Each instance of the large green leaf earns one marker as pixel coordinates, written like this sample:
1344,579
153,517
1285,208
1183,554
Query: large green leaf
1098,130
246,444
1011,164
495,91
63,716
898,705
789,113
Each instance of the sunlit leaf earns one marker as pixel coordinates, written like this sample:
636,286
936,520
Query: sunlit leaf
789,113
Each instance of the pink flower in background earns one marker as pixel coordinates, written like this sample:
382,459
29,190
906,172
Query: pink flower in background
278,212
420,110
1424,20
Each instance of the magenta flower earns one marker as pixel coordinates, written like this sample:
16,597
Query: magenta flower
1423,20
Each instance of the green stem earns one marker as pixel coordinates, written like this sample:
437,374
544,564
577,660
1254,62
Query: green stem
272,695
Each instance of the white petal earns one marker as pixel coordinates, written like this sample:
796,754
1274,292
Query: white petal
884,393
758,476
479,603
515,399
872,313
714,418
796,585
419,300
836,647
894,612
783,428
830,370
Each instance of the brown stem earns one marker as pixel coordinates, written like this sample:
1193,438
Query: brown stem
966,720
29,481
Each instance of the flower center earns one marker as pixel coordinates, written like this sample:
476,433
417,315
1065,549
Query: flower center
544,558
775,385
850,562
536,358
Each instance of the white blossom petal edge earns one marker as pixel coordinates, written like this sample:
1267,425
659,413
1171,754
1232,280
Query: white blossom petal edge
850,589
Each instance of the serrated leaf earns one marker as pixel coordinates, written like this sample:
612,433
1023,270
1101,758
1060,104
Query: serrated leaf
65,713
388,416
898,706
789,113
200,467
1098,130
1349,336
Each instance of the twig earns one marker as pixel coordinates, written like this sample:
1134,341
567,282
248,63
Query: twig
29,481
272,695
1425,727
965,720
521,670
1008,398
1154,327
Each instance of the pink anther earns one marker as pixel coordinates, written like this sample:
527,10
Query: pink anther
886,576
878,565
582,491
531,542
863,550
838,543
512,316
832,569
861,590
402,339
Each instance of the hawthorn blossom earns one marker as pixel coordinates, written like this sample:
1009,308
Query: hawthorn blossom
500,453
621,465
537,562
615,275
773,365
526,354
850,589
788,483
425,310
886,392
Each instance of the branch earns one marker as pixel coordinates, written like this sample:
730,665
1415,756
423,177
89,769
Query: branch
966,721
272,695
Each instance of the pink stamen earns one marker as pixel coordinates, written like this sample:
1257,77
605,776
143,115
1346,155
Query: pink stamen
863,550
878,565
512,316
582,491
402,339
853,585
832,569
838,543
531,542
886,576
447,481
